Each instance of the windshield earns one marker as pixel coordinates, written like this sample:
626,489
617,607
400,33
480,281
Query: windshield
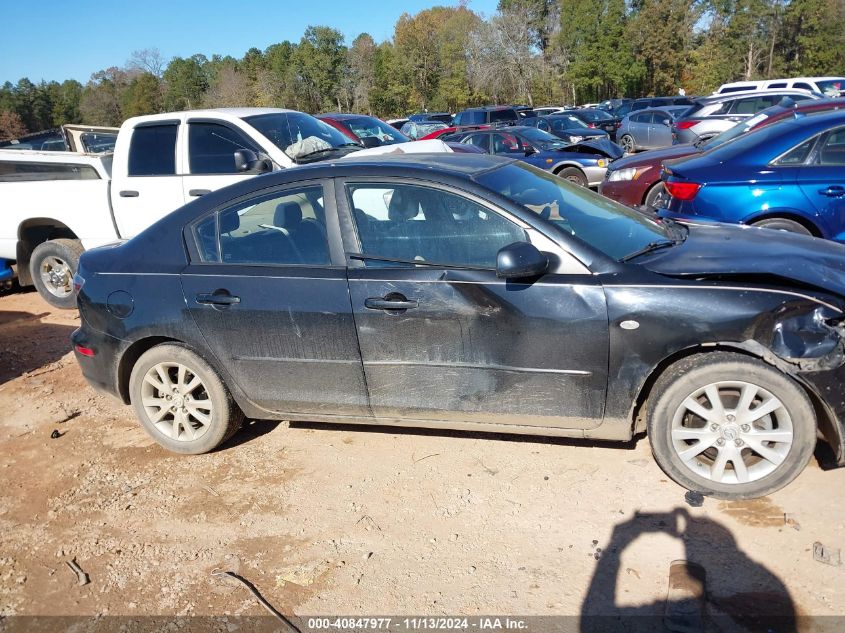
567,122
595,115
298,134
831,87
606,225
366,126
496,116
539,137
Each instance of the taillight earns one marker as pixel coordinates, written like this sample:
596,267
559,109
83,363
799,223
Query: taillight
618,124
682,190
592,125
685,125
85,351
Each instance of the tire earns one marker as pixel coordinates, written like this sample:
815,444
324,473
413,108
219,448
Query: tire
573,175
676,433
195,429
782,224
627,143
656,197
52,266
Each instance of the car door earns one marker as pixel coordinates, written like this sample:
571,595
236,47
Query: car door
442,338
638,125
210,157
823,182
660,131
481,141
267,287
147,185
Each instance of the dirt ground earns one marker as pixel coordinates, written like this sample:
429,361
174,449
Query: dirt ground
361,521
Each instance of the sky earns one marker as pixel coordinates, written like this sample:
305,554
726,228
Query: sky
61,39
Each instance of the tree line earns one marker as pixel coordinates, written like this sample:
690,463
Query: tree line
448,58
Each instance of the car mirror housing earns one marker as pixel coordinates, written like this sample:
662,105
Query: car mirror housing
248,162
520,260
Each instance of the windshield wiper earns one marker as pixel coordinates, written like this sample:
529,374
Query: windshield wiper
325,150
648,248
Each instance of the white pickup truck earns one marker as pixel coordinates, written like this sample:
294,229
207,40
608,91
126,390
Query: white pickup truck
56,204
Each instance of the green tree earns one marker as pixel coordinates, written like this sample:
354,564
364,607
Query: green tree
142,96
186,81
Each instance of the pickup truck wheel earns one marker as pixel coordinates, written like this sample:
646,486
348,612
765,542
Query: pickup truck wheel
181,401
52,266
573,175
730,426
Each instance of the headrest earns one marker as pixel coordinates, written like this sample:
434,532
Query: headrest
229,221
403,205
288,215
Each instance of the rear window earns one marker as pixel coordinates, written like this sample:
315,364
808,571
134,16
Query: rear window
497,116
15,171
153,150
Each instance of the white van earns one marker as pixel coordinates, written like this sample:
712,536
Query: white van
828,86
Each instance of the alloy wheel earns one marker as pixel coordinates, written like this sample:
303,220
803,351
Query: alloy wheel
57,276
176,401
732,432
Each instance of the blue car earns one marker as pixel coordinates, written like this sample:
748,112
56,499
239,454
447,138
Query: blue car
788,176
6,274
583,163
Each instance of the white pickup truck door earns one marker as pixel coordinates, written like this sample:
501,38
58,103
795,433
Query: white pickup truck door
146,184
210,156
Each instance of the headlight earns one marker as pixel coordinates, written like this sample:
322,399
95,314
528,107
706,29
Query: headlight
576,139
631,173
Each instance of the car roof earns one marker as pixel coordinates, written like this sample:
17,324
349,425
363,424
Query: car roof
343,116
490,108
732,96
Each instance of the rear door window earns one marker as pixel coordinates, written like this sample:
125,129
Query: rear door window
832,151
152,151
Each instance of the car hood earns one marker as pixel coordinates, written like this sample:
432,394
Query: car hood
587,133
748,253
656,156
603,146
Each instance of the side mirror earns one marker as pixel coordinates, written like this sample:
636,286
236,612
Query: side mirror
529,149
370,141
248,162
520,260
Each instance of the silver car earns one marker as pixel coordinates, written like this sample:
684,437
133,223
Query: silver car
648,129
713,115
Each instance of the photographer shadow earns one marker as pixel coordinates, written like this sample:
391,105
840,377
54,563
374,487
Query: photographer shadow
739,594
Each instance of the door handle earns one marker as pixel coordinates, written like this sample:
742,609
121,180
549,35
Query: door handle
217,298
128,194
390,302
198,192
834,191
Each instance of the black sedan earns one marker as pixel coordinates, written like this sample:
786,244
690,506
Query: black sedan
472,292
598,119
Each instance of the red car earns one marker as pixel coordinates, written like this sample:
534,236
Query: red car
373,132
450,130
635,179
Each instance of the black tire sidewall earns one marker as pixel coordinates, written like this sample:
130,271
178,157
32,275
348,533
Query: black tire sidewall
625,145
568,172
783,224
679,381
68,251
225,418
653,194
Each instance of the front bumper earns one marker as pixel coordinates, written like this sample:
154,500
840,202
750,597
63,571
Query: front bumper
629,192
595,175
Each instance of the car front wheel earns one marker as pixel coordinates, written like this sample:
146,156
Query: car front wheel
181,401
627,143
573,175
730,426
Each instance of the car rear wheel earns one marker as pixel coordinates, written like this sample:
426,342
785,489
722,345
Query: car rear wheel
52,266
782,224
627,143
730,426
657,197
573,175
181,401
